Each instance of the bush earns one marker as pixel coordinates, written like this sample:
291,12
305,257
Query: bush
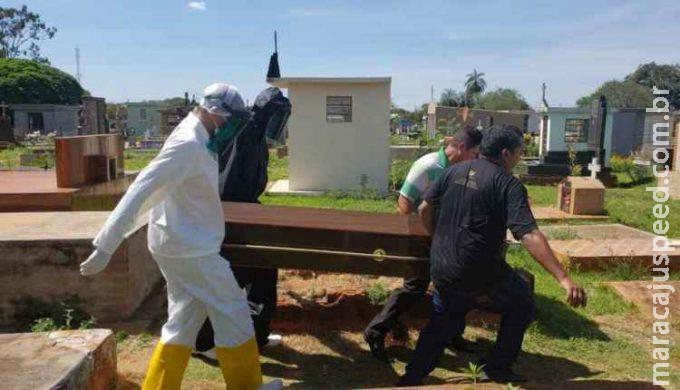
621,164
28,82
398,171
38,316
378,293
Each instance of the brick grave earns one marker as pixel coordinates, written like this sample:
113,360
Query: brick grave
636,292
40,255
597,246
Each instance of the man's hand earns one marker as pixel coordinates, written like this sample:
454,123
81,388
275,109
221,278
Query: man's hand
538,246
95,264
576,296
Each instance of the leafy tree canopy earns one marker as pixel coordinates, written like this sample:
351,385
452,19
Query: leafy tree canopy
660,76
26,81
502,99
620,94
451,98
20,32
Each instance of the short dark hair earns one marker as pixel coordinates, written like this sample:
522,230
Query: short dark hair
469,136
497,138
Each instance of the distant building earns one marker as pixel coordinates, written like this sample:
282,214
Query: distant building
144,118
45,118
564,128
447,119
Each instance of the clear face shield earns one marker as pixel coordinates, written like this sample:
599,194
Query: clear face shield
225,136
275,126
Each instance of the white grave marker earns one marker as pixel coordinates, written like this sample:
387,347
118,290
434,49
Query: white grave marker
594,168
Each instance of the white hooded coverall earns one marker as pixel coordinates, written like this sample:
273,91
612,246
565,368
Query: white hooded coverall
185,232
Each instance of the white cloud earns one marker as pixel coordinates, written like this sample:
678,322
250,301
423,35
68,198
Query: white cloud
197,5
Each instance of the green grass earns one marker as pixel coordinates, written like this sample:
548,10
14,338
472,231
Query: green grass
278,168
136,160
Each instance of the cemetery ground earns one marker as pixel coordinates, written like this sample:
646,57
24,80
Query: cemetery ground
605,345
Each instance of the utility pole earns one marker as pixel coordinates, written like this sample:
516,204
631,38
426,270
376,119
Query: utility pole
78,75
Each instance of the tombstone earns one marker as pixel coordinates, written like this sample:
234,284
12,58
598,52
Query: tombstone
581,195
598,123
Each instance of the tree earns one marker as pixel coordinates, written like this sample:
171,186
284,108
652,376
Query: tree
20,32
474,85
620,94
661,76
451,98
502,99
26,81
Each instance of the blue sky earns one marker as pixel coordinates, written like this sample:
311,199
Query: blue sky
133,50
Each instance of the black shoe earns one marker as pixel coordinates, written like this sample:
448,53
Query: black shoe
501,375
377,346
407,382
460,344
207,358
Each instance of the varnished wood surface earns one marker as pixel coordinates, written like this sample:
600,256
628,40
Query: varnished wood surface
324,219
70,152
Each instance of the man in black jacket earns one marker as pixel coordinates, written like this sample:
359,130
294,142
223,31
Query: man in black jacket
243,178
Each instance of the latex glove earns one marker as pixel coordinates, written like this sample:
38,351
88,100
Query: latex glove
95,264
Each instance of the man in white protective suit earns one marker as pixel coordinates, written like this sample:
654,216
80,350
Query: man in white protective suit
185,232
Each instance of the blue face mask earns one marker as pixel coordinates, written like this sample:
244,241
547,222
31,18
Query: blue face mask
225,134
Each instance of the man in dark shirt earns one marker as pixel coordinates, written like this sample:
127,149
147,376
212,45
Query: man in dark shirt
475,202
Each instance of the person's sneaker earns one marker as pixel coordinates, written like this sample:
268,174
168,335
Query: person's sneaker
209,357
501,375
460,344
377,347
273,340
276,384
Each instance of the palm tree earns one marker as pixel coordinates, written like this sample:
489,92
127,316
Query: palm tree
474,84
450,98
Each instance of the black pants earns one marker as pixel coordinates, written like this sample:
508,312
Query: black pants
261,286
400,302
512,298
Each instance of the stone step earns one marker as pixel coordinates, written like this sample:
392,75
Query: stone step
76,359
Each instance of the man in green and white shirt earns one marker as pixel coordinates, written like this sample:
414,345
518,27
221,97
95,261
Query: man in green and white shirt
462,146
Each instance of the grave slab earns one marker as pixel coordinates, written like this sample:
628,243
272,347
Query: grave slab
37,191
551,214
592,232
598,254
636,292
40,254
77,359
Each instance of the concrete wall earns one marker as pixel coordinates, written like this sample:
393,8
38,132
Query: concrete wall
339,155
56,118
627,127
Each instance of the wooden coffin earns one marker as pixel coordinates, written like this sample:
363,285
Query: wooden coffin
326,240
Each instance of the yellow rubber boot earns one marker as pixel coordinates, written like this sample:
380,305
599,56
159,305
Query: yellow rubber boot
240,366
166,368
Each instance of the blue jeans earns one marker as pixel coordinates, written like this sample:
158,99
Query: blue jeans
511,297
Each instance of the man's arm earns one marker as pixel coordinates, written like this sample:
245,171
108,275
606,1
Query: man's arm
404,205
151,186
426,212
537,244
